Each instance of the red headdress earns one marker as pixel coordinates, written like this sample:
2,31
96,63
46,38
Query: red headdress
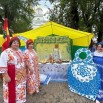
8,43
29,41
13,39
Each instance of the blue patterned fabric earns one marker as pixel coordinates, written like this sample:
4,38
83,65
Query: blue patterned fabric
99,62
44,79
83,77
57,72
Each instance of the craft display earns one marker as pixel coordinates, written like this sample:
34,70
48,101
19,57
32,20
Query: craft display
83,77
53,49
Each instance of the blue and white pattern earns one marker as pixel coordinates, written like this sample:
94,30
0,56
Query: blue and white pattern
82,72
57,72
88,59
83,77
98,60
44,79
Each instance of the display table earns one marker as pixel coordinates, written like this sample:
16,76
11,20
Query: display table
57,72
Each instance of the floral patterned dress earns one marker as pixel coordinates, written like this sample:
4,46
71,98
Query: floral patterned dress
9,59
33,80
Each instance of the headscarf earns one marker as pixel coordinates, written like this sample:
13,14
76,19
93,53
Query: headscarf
101,43
29,41
13,39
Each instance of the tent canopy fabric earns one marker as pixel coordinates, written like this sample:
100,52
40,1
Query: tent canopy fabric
1,40
79,38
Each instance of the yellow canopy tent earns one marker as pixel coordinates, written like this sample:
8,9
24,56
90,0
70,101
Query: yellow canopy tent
79,38
54,28
1,41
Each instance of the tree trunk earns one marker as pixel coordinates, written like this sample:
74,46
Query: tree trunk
6,11
74,15
100,33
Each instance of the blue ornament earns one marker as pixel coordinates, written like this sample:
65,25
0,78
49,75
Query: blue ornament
83,76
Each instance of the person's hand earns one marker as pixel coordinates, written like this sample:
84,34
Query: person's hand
6,77
31,71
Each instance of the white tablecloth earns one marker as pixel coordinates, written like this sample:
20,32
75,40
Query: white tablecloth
57,72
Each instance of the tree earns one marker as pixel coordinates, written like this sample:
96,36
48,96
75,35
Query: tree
99,21
91,13
84,15
19,13
66,12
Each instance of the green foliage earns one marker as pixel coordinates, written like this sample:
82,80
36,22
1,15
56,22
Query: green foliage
19,13
66,13
79,14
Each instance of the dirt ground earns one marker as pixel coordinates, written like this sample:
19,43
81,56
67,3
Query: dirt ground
53,93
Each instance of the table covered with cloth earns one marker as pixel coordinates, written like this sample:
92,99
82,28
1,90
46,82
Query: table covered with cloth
57,72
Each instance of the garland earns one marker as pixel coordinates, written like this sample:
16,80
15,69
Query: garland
52,39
